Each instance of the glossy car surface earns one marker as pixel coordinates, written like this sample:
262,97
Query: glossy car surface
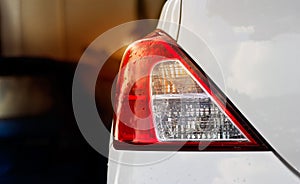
250,50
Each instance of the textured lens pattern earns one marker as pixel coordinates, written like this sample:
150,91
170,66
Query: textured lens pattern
183,111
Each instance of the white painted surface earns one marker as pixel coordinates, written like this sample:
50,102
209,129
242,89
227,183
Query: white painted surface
252,53
170,17
250,50
197,167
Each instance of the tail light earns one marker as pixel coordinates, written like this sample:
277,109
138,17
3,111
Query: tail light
165,102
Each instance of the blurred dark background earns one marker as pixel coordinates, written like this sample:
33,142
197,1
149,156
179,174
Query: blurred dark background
41,43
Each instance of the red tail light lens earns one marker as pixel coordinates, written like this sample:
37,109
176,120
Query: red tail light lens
165,102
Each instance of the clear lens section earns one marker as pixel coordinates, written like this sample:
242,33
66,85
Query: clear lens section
183,111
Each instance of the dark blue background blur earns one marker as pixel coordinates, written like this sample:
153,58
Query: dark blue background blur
47,146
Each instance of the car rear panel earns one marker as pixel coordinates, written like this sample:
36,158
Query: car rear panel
137,167
250,50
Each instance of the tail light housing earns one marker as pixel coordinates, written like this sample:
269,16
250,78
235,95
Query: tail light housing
166,102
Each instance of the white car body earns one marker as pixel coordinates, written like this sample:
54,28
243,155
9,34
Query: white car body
250,49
